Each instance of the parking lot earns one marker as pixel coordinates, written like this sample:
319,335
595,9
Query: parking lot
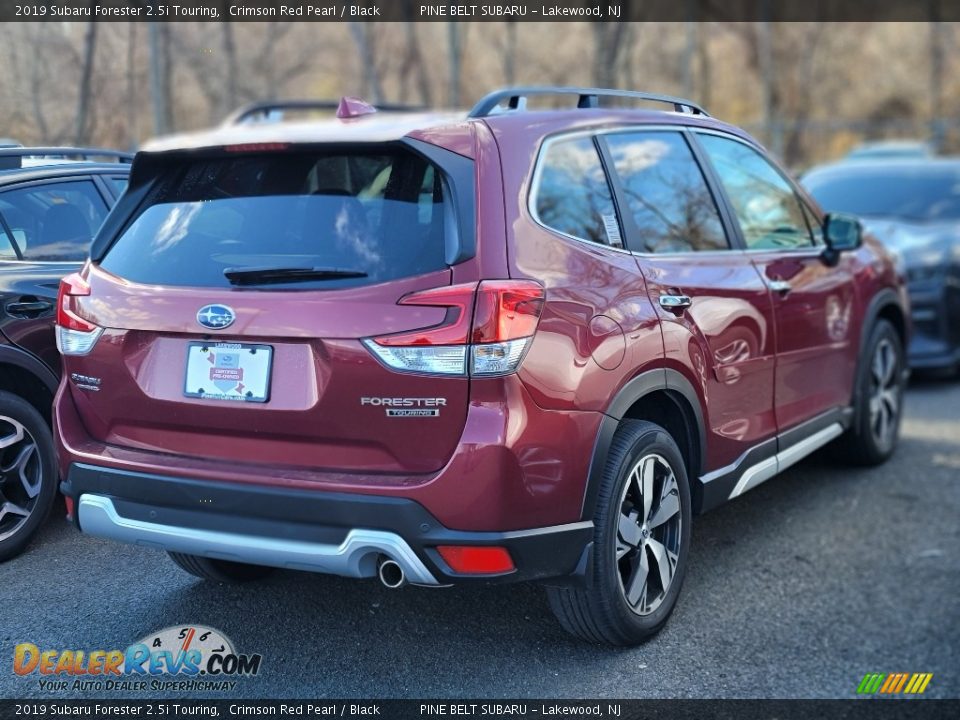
795,590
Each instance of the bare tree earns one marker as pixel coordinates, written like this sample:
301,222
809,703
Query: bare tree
704,68
81,133
363,38
608,45
510,53
159,40
133,131
455,62
230,59
937,52
412,67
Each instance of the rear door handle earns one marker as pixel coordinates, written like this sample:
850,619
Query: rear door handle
29,308
674,303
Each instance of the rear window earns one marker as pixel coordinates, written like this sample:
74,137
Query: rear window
374,216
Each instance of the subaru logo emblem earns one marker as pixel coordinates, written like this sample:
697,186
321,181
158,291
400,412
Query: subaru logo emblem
216,317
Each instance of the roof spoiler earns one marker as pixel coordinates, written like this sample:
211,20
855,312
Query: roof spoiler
346,107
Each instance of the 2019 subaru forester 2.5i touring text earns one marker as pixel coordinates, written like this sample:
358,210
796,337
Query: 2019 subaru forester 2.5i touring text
509,345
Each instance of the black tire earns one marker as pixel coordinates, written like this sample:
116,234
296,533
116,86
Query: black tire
38,466
601,613
219,570
863,444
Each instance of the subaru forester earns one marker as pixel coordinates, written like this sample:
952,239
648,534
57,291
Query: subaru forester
521,343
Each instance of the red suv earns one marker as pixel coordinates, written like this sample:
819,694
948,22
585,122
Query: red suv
510,345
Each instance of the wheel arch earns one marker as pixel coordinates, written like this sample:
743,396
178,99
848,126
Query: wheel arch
663,396
25,376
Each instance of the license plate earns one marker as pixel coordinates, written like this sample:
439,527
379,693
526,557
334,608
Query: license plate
228,371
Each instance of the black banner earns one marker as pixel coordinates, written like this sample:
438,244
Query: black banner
867,709
482,11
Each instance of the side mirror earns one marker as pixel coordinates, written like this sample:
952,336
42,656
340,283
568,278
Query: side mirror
841,233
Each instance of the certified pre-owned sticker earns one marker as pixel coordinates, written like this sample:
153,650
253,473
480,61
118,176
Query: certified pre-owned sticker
407,406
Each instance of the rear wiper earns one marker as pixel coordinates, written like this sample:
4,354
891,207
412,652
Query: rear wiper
280,274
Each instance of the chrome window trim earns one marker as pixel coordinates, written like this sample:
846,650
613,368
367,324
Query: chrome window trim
535,188
680,129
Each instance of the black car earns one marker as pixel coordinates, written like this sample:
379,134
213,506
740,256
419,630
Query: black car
52,201
913,207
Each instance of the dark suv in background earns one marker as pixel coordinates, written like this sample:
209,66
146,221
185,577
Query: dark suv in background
52,201
913,207
509,345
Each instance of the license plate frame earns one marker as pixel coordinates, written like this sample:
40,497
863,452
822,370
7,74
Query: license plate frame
225,366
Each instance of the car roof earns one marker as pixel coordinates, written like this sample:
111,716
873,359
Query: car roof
65,169
380,127
888,166
557,121
901,144
394,126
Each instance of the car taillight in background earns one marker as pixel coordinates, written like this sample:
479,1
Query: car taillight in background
75,336
505,317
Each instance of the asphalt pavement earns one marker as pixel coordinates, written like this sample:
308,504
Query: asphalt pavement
797,589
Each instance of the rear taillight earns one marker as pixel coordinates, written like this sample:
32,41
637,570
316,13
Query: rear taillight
505,317
75,336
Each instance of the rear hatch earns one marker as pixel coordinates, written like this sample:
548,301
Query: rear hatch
237,301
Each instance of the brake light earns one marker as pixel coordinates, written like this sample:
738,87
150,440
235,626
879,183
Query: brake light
75,336
506,318
458,300
507,310
493,342
256,147
471,560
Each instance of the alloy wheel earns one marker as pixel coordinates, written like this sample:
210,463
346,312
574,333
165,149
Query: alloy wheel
884,393
21,475
648,534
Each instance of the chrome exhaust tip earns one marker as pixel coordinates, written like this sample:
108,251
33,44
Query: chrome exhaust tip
391,574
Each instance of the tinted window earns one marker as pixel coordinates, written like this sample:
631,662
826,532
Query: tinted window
666,194
7,251
54,221
766,206
119,184
573,196
378,213
911,192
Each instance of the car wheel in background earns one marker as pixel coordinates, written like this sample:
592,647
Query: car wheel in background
28,473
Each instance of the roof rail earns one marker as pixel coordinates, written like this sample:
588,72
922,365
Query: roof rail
81,153
263,109
516,99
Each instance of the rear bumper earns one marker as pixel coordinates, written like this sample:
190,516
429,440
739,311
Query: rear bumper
335,533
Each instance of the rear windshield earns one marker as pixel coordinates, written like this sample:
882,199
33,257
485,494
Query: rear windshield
913,193
364,216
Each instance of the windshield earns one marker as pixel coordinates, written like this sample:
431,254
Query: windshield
914,193
379,215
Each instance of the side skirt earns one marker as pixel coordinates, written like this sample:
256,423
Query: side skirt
771,457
